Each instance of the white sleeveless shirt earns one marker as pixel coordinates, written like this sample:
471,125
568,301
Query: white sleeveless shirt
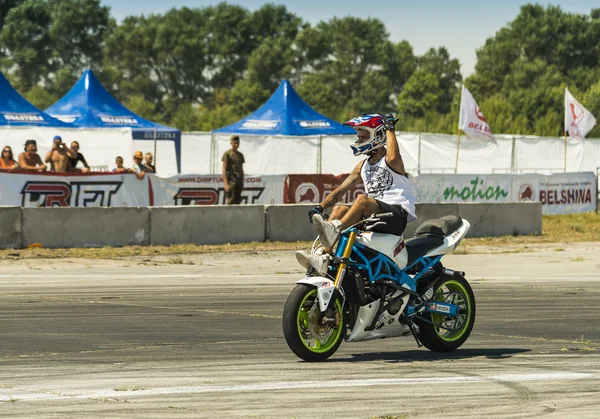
383,183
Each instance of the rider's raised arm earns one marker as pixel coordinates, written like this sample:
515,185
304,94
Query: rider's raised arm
393,157
339,192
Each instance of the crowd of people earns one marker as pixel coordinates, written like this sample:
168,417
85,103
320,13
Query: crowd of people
63,159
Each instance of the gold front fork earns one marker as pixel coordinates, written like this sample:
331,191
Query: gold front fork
347,252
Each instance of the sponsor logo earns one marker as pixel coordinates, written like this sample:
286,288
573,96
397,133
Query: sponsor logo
566,196
118,120
160,135
325,296
74,194
260,124
23,117
314,124
479,114
439,307
526,193
307,192
67,119
475,192
214,196
399,248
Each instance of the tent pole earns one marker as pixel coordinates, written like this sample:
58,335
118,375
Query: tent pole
320,156
154,146
212,153
513,155
419,157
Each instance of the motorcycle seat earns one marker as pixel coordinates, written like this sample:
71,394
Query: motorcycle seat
443,226
421,245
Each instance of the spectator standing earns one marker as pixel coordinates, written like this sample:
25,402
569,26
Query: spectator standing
233,172
7,162
59,156
30,160
73,161
120,168
148,163
138,168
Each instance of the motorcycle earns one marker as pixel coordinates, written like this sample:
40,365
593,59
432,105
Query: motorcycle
379,286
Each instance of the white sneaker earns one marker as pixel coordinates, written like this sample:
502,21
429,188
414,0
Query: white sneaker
320,263
329,231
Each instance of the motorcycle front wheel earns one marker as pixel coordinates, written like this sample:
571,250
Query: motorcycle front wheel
306,332
442,333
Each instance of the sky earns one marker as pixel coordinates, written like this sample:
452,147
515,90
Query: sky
462,26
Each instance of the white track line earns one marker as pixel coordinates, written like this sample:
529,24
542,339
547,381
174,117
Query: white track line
14,394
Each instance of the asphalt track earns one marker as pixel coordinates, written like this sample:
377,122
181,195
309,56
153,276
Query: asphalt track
156,338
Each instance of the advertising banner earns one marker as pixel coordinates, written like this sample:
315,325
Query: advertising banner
564,193
304,189
116,190
61,190
210,190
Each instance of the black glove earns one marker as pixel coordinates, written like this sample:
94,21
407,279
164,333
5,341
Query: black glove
389,122
316,210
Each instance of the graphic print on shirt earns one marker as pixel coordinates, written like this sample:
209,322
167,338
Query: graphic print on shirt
378,181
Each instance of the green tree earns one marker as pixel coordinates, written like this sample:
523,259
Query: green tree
420,95
26,38
349,65
447,70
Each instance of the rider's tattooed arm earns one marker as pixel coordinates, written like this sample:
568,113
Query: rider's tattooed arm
393,157
339,192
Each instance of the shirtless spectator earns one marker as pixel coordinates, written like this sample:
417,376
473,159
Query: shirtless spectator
148,163
120,168
138,168
30,160
59,156
79,158
7,162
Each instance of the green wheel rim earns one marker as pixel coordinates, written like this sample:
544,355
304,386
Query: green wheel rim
453,292
302,320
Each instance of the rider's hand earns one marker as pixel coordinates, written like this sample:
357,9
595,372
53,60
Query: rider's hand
389,122
316,210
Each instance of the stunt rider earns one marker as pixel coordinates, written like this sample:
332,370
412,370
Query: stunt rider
387,187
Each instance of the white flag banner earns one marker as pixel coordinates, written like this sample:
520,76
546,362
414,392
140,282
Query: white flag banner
578,120
472,121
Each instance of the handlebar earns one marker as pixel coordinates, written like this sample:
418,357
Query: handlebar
383,215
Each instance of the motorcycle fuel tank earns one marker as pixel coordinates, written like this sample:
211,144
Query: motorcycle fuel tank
390,245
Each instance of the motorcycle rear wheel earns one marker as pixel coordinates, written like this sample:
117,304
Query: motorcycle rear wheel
305,333
455,290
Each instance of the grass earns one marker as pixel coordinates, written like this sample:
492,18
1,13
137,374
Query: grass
555,229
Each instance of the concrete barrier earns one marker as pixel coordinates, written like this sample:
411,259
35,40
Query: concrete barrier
288,223
511,219
215,224
11,227
80,227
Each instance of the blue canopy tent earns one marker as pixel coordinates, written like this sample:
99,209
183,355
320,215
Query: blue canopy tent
285,135
15,110
285,113
89,105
